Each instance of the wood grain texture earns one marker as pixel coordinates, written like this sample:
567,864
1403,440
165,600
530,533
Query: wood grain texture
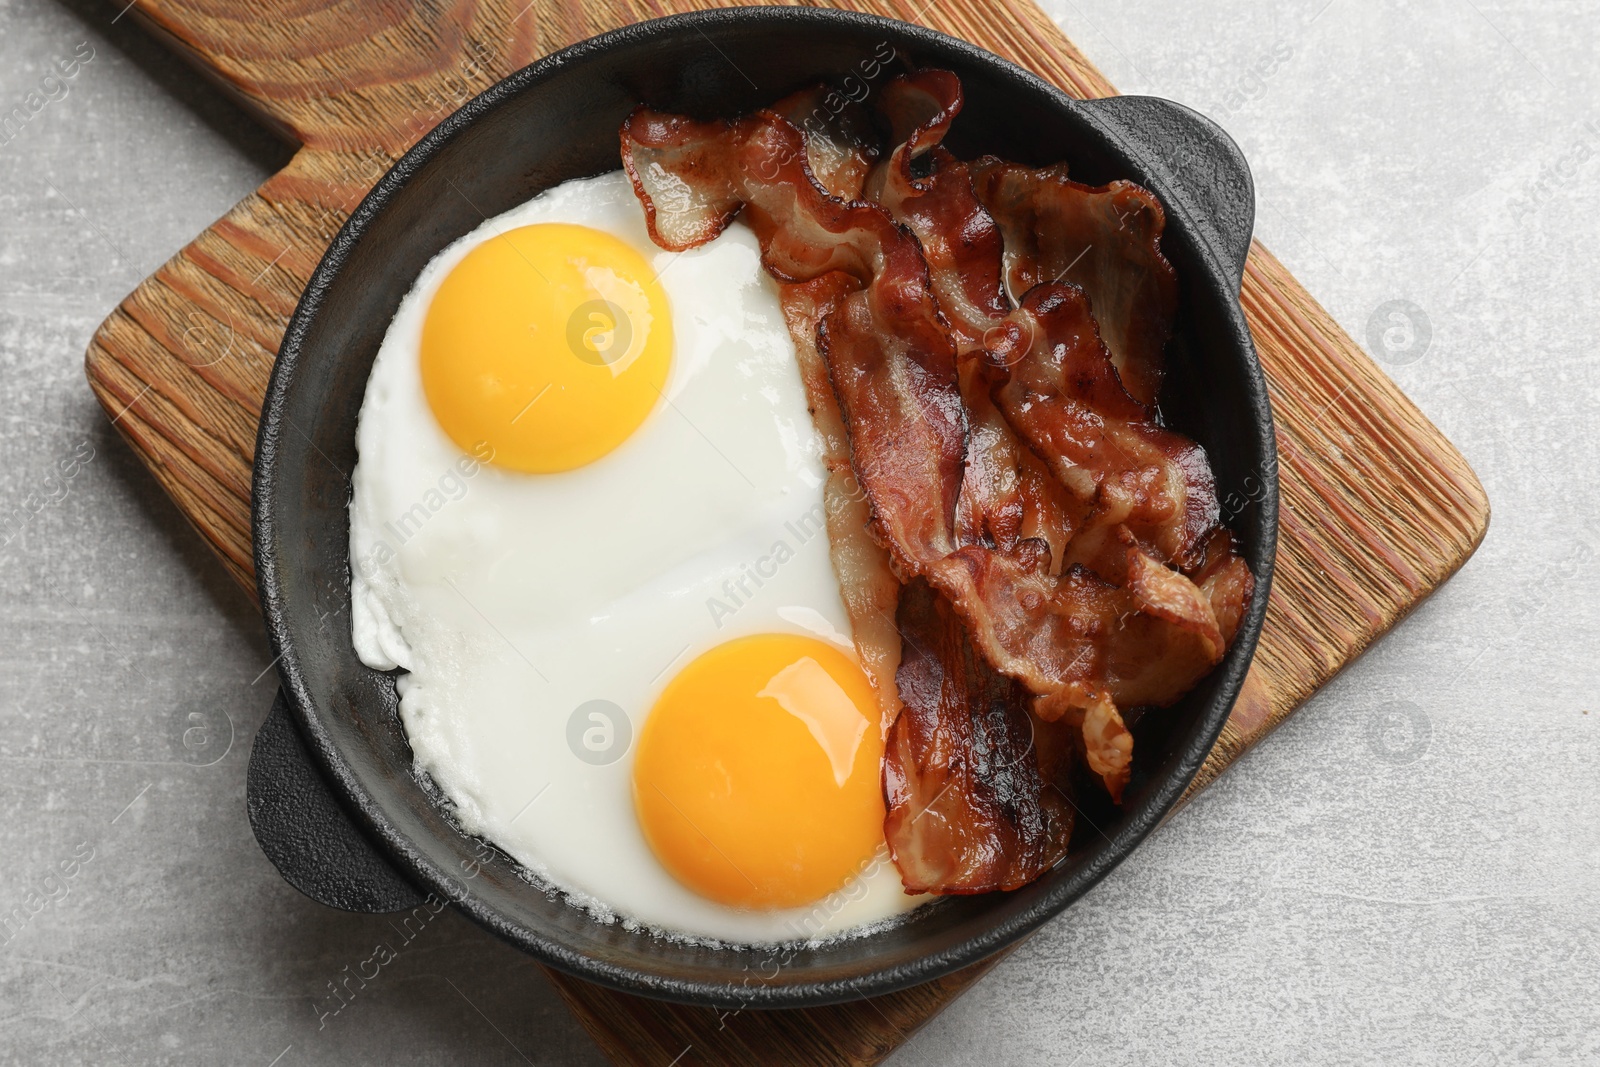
1377,507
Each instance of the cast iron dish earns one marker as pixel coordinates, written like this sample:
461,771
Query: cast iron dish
334,799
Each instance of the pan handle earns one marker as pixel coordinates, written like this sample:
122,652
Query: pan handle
1198,164
306,834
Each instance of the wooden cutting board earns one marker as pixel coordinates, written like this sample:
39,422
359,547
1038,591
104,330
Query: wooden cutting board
1377,507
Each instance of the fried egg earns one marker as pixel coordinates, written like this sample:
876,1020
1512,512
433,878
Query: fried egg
588,529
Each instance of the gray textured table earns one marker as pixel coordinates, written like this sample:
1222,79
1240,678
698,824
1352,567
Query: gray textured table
1367,887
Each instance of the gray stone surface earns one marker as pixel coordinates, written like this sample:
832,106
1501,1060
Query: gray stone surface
1405,873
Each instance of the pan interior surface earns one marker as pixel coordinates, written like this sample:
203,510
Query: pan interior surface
558,120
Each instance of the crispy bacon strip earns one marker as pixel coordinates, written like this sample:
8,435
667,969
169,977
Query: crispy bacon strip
1100,441
1067,401
968,811
1074,638
1078,639
1106,240
919,109
1097,439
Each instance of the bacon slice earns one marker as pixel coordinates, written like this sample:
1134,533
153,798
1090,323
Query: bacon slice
1074,638
1106,240
919,109
968,810
672,162
1067,401
1169,640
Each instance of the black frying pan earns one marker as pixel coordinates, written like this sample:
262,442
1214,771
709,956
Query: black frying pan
333,797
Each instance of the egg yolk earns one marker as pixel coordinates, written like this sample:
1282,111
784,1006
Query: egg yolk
757,777
549,344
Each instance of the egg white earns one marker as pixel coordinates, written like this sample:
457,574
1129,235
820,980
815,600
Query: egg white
512,599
